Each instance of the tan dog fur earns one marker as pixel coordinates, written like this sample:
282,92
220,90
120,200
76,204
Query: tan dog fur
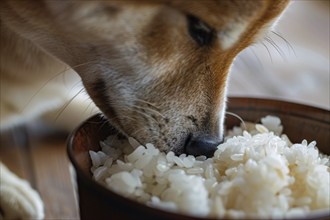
136,59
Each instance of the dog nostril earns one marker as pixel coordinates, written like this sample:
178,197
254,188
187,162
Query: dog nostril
202,145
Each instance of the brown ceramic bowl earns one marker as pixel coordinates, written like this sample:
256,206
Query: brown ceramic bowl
96,202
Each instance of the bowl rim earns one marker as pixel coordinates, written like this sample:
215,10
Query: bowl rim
102,190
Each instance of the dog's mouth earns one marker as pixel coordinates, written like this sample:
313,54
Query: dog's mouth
190,144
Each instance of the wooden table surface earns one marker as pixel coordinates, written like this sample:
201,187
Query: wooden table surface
42,160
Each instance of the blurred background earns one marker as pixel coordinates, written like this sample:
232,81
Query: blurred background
295,68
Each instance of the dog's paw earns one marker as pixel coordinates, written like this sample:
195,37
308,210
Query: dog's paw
18,200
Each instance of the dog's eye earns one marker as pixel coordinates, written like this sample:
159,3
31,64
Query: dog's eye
200,31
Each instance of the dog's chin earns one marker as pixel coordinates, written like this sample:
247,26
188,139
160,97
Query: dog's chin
177,148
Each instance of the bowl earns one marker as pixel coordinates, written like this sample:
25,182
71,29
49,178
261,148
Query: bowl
96,202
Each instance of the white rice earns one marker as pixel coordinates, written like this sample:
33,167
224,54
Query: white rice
254,173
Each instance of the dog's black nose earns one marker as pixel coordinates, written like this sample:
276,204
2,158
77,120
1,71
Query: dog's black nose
202,145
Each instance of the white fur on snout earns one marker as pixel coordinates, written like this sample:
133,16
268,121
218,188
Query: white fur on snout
231,33
222,112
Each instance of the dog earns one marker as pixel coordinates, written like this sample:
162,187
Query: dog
157,70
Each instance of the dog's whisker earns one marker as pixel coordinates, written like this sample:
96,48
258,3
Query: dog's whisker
143,129
59,74
238,117
93,108
277,48
104,122
121,117
251,63
288,44
150,110
88,106
141,110
85,63
154,119
269,53
41,88
137,131
148,103
134,109
76,85
260,64
133,119
67,104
